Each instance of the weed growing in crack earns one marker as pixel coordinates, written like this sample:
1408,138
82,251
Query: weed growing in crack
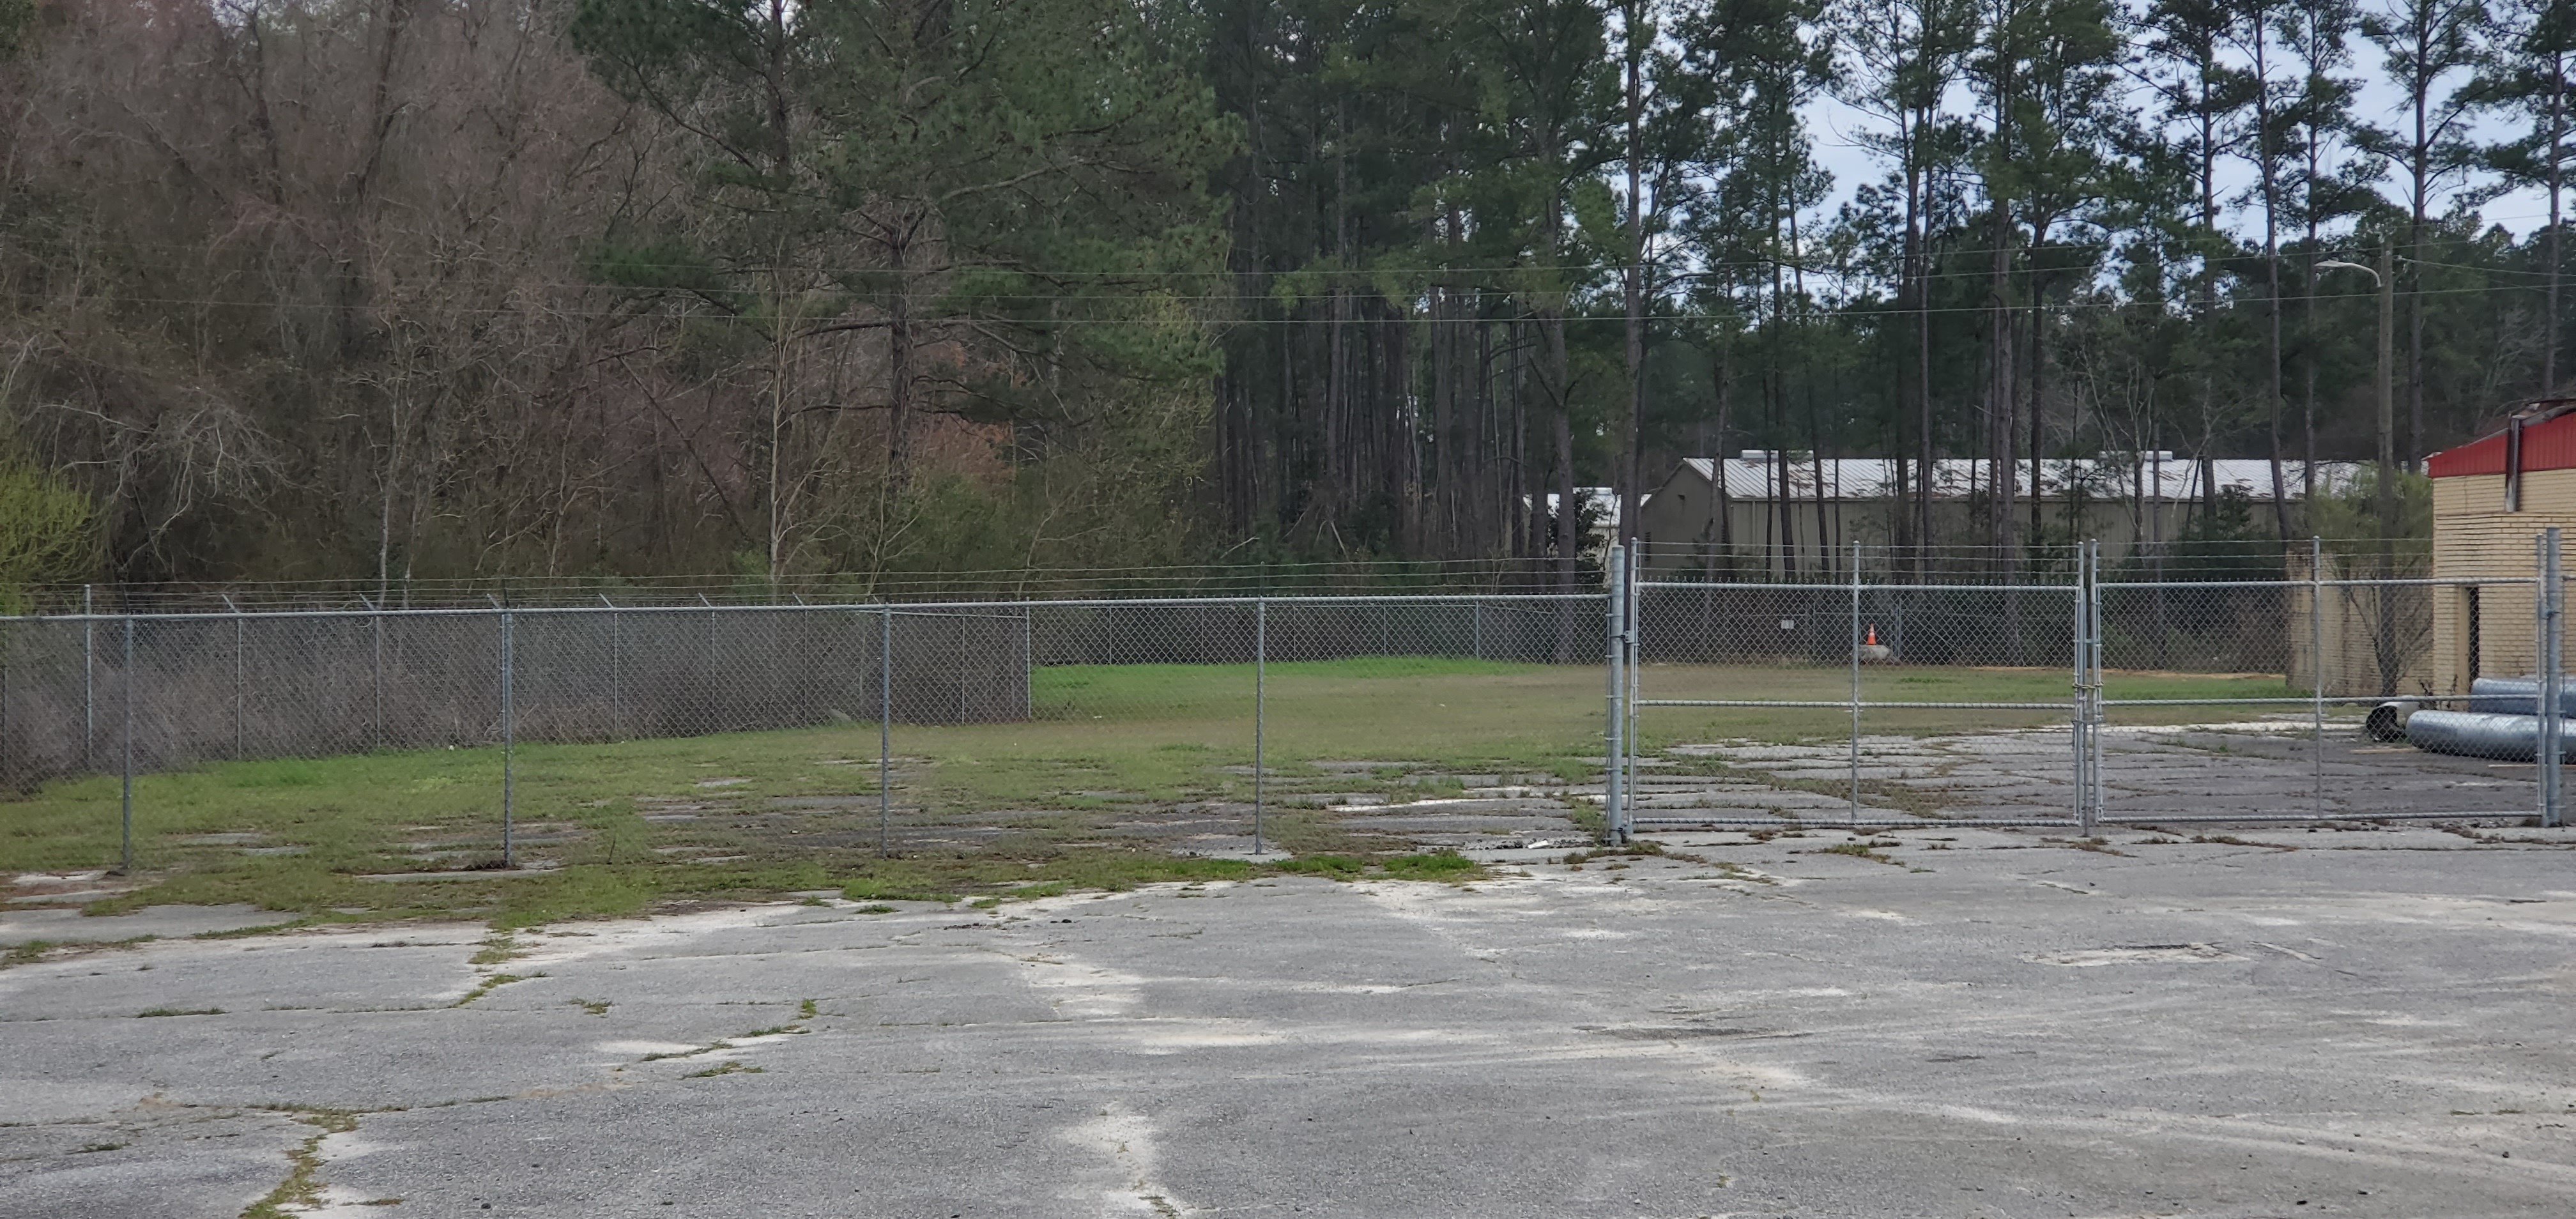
709,1048
2099,846
301,1191
1860,850
490,984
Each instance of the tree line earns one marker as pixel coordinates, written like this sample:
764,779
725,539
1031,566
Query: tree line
425,289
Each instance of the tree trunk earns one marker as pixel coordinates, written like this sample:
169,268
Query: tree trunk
2038,355
899,344
2420,166
2000,432
2557,153
1928,465
1633,281
2271,191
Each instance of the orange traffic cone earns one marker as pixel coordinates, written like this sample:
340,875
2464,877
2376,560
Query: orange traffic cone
1873,634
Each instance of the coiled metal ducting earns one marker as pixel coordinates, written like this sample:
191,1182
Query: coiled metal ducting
2484,734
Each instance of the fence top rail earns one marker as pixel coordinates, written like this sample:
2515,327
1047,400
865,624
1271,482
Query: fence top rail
2295,582
898,608
1844,586
2282,582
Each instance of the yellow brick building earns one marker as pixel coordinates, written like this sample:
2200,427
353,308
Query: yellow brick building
2492,498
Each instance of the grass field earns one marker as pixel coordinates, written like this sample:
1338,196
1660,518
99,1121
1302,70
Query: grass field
627,823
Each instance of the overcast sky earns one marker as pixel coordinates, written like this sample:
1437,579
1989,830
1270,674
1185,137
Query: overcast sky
1835,127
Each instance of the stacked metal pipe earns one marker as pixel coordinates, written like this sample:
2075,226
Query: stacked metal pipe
2502,721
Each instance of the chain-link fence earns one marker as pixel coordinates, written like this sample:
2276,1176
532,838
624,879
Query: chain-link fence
428,741
2144,690
2059,690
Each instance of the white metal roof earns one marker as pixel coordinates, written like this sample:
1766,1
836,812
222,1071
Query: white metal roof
1604,502
1954,477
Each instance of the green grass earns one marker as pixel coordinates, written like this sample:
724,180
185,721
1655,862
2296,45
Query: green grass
1435,865
1960,684
1045,797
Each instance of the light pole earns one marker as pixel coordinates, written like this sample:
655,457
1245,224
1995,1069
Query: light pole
2384,494
2384,281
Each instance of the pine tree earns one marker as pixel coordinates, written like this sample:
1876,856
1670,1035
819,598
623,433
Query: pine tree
2529,74
2430,49
1903,56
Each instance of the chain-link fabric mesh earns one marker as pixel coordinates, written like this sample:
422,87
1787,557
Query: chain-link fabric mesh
990,723
2229,687
1834,703
1330,722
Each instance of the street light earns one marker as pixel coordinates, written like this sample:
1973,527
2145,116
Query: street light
2384,496
2384,278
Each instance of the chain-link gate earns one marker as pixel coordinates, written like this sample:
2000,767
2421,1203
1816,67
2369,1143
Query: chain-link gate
1863,699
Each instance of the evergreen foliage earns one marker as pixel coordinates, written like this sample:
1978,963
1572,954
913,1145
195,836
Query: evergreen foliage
889,288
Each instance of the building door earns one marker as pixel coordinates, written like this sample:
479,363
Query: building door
2469,610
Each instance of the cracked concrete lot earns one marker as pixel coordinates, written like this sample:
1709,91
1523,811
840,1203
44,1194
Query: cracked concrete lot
1962,1023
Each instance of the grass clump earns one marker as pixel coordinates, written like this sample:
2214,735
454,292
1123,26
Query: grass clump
1433,865
1861,850
870,889
1339,867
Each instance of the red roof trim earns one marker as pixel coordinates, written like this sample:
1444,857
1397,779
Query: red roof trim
2476,457
2548,443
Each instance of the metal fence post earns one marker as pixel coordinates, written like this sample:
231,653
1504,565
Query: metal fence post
2101,716
1476,632
8,635
376,627
616,666
2550,599
1260,705
509,740
885,728
708,665
1616,745
125,799
2317,663
1855,686
89,678
2087,705
1631,669
2075,721
237,675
